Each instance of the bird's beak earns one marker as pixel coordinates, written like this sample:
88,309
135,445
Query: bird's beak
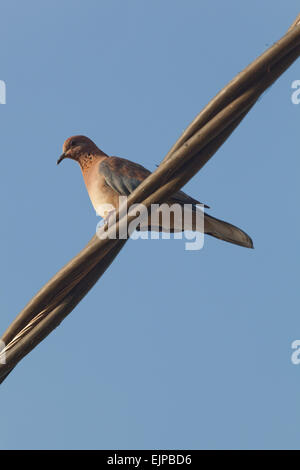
61,158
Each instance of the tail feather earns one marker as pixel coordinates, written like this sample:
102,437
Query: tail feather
226,231
210,225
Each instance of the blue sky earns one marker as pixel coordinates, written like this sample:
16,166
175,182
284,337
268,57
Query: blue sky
171,349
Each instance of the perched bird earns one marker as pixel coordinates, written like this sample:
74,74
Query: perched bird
106,178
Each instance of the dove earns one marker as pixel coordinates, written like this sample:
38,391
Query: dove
108,177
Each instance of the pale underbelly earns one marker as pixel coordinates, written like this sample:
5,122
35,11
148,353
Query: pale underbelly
103,201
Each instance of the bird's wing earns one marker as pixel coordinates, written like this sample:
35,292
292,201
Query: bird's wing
124,176
182,198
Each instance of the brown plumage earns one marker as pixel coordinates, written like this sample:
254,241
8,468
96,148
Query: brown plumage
106,178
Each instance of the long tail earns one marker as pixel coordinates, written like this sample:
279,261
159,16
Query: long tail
227,232
215,227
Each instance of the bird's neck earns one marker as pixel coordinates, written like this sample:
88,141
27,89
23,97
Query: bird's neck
87,160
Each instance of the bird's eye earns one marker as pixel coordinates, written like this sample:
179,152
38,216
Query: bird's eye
73,142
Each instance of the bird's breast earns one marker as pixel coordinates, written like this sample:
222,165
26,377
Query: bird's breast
103,198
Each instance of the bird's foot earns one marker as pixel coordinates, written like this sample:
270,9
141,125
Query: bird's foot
107,220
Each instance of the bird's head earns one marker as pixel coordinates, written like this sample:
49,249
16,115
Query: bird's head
78,146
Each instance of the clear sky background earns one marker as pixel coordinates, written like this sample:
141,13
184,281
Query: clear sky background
171,349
